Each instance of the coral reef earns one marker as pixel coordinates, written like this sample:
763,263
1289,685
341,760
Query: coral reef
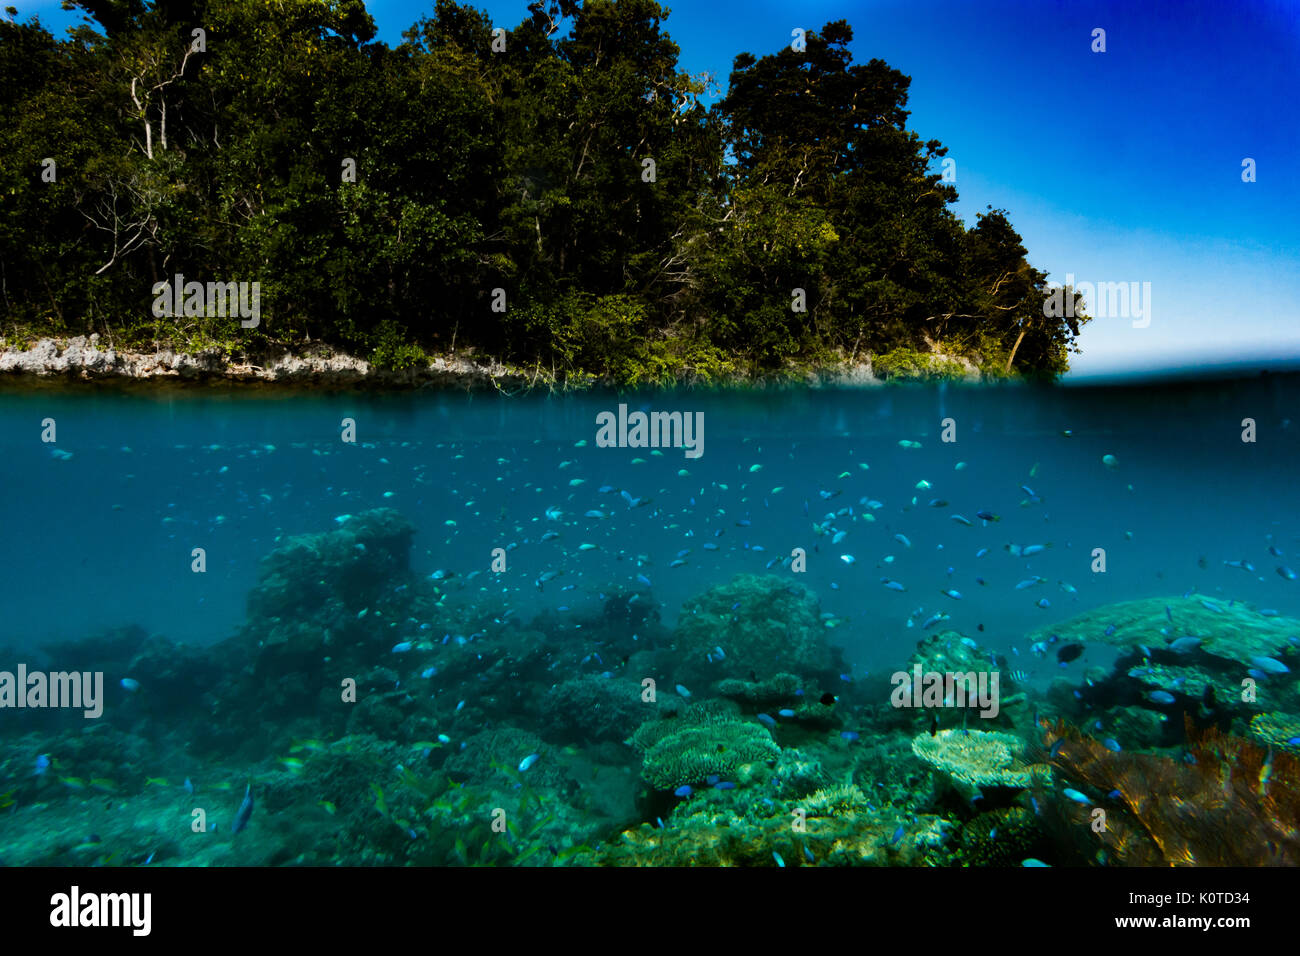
384,718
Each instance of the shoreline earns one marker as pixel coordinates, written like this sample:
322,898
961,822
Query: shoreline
81,360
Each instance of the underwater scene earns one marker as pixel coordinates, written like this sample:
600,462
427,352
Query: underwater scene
914,626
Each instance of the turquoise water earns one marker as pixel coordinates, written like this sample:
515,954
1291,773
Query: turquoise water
101,526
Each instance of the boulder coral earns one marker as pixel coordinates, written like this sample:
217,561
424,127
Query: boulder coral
764,625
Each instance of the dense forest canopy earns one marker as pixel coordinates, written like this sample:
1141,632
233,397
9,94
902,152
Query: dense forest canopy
555,195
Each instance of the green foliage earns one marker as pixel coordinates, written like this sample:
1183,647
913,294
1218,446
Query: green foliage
382,195
911,364
393,352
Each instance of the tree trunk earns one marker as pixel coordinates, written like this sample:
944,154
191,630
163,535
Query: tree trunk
1012,357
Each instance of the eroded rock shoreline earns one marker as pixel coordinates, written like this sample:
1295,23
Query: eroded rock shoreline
86,359
50,362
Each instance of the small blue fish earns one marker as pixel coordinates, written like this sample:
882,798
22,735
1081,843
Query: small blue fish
683,791
898,835
767,720
42,765
130,684
724,785
1270,665
402,647
777,856
1112,744
849,735
683,691
528,762
1076,796
244,812
1031,861
1161,697
785,712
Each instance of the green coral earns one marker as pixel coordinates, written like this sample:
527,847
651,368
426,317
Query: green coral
709,738
1233,632
765,624
977,758
998,838
1277,730
777,689
839,801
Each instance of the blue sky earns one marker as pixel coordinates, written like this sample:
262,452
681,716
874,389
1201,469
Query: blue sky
1122,166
